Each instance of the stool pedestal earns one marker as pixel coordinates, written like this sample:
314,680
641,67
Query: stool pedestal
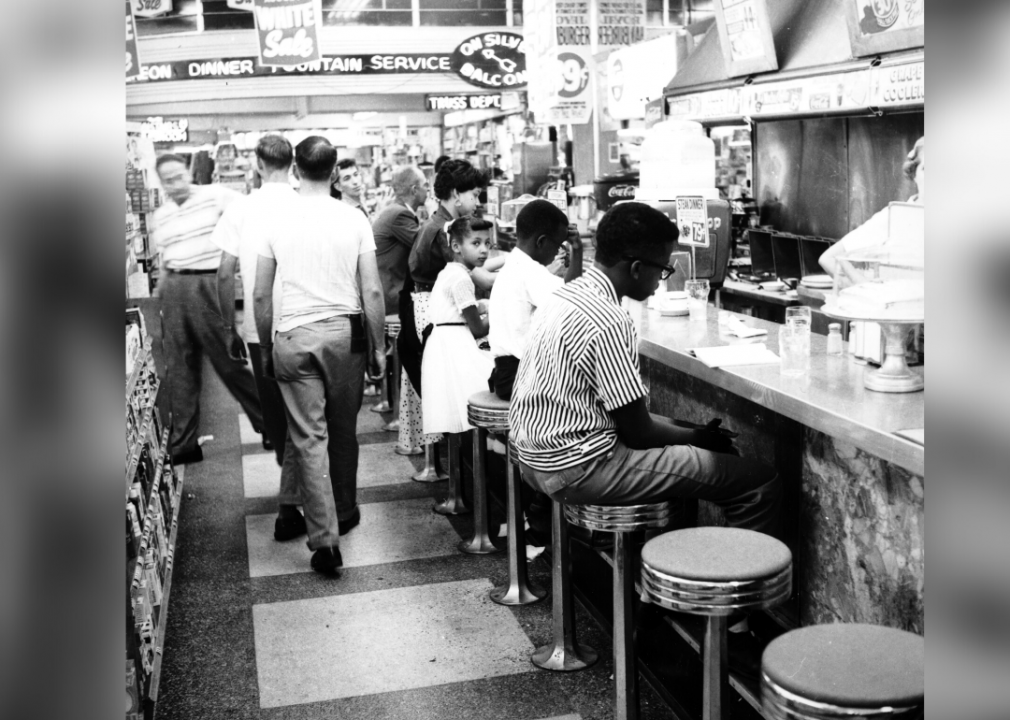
480,543
394,424
430,472
564,653
392,326
453,503
518,590
622,520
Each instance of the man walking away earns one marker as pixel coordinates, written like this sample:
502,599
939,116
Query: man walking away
323,255
233,235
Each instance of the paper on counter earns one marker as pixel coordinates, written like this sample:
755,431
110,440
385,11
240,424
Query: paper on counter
916,435
733,355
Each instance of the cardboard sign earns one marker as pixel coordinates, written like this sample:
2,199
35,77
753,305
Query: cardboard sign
288,31
559,198
692,220
151,8
132,56
241,5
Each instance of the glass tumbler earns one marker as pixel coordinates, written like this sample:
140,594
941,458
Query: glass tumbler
794,350
697,298
798,317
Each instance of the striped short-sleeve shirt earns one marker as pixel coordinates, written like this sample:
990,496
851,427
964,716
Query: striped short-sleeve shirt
182,233
581,362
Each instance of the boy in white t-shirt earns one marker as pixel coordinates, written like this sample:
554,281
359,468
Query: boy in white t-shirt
525,284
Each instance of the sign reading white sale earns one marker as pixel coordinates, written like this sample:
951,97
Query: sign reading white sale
288,31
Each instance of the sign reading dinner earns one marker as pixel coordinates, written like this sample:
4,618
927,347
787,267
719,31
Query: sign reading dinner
288,31
494,60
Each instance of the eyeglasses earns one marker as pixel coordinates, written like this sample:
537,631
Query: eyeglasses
668,270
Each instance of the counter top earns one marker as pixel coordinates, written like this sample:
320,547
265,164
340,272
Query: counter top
830,398
751,291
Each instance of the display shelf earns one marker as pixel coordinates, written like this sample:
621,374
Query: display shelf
152,693
139,364
147,420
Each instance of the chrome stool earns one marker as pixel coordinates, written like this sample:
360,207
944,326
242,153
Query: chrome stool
485,411
393,395
716,572
518,590
383,406
453,503
430,472
622,520
564,653
826,672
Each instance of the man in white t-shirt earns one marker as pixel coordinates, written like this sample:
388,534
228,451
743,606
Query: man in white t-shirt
524,284
322,254
233,235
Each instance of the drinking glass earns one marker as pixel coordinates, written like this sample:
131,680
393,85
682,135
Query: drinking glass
794,350
697,298
798,317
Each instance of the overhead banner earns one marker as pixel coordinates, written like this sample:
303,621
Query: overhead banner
493,60
327,65
132,57
288,31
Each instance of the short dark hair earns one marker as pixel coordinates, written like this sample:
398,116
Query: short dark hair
458,175
167,158
439,161
632,228
346,163
479,223
315,158
539,217
274,151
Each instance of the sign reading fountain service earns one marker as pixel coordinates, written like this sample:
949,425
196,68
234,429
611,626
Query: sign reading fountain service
288,31
492,60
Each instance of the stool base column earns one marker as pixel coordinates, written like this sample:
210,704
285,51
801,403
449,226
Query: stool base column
453,503
518,591
430,472
480,543
714,702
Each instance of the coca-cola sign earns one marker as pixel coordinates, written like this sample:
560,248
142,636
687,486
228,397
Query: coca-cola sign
622,192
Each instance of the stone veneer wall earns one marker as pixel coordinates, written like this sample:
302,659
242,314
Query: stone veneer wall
853,521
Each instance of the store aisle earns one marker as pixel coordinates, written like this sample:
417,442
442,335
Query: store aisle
407,631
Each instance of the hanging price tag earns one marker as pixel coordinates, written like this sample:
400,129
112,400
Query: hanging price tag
151,8
559,198
692,220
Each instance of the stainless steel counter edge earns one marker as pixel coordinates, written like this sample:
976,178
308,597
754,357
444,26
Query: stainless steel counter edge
830,399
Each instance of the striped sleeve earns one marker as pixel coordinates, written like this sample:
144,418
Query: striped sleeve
614,356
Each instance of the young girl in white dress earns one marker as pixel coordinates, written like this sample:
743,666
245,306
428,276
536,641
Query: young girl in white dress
453,367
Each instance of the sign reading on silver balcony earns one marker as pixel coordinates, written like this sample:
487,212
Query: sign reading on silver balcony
494,60
288,31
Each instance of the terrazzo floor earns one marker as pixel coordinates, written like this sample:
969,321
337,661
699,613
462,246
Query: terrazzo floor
407,630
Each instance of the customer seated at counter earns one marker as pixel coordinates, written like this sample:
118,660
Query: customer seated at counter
579,418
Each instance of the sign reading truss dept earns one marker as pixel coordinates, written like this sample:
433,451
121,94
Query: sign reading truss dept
492,60
327,65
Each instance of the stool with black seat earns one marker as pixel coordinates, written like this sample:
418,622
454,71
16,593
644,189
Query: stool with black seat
518,590
485,411
564,653
622,520
828,672
716,572
392,333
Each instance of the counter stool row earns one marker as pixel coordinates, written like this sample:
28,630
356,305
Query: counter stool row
815,673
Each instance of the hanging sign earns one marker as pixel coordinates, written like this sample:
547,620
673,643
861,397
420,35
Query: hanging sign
132,57
571,23
692,220
903,84
620,22
288,31
571,102
495,60
559,198
241,5
161,130
151,8
879,26
463,102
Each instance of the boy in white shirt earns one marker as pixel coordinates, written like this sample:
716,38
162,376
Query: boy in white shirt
525,284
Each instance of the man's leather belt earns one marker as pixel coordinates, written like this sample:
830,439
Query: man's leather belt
194,272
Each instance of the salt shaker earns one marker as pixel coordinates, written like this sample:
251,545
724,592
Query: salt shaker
834,339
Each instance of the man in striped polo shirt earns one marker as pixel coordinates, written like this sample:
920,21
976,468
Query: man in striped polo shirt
191,319
579,418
